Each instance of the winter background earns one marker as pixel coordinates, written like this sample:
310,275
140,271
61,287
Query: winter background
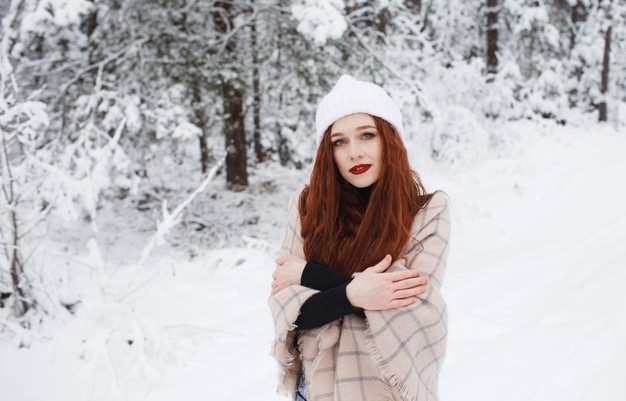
145,276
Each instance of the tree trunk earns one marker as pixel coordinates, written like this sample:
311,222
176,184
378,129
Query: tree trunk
492,36
604,84
205,156
233,99
414,5
579,15
20,306
284,153
256,97
200,121
12,249
235,136
382,21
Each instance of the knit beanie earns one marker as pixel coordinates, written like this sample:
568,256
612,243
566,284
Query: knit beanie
350,96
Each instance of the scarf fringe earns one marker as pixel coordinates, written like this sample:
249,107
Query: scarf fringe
408,392
286,361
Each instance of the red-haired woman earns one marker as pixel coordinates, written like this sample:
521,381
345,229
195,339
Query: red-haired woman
356,297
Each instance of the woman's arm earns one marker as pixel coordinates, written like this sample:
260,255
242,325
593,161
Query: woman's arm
325,307
320,277
293,270
373,289
377,289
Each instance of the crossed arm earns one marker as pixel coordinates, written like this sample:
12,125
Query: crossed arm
373,289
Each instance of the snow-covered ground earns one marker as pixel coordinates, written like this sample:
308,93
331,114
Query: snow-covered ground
535,287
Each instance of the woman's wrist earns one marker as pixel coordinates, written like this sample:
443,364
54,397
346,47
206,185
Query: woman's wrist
351,295
300,271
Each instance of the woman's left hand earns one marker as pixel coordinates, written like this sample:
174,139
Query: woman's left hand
288,272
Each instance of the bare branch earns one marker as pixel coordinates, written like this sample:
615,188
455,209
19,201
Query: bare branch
171,219
415,88
99,65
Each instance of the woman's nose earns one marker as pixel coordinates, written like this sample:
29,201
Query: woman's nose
355,150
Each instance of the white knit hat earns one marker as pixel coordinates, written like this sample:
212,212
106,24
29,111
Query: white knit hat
350,96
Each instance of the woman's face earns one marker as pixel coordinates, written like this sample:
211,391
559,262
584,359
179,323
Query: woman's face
357,149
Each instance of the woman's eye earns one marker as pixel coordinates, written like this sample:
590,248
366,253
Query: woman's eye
339,142
367,135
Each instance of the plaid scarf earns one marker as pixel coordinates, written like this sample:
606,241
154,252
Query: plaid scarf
394,354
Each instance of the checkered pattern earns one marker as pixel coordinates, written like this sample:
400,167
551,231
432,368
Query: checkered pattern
392,355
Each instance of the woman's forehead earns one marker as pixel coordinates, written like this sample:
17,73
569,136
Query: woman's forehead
353,122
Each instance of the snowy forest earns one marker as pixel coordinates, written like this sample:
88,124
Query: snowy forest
150,148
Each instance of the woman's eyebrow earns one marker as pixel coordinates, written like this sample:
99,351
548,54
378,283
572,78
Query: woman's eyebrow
357,129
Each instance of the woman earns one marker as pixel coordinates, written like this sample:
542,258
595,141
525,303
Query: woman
356,297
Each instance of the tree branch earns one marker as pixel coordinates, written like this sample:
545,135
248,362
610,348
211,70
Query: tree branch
415,88
100,65
171,219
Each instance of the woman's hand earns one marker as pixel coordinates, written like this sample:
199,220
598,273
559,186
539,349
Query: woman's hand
373,289
288,272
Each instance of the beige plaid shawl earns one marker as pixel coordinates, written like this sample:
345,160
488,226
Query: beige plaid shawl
392,355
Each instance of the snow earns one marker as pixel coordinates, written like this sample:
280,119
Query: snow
320,20
534,286
61,12
539,308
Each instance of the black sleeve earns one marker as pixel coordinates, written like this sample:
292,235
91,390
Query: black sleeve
319,277
326,306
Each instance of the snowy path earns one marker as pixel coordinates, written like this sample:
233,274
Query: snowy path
539,312
535,288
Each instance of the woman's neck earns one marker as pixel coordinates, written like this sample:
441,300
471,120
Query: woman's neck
365,193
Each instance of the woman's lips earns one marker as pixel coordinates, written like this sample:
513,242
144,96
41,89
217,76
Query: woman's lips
360,169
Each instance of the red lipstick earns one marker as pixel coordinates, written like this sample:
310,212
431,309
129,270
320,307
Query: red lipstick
360,169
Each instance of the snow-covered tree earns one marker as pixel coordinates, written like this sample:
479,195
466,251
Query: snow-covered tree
21,124
589,64
100,96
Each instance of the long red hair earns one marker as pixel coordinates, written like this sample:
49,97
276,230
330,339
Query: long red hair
348,234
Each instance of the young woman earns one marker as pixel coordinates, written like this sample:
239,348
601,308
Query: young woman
356,297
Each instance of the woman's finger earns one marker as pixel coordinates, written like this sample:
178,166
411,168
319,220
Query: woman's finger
283,259
410,292
400,303
403,275
382,265
410,282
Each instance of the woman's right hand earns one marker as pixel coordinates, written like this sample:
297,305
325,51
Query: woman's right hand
288,272
373,289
